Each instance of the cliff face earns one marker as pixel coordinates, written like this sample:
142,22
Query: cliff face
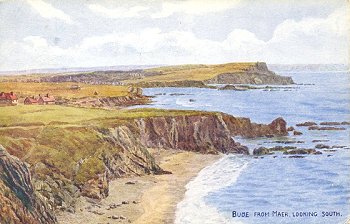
70,161
257,74
18,201
204,134
245,128
118,101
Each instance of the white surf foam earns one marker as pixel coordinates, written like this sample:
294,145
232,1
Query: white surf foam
193,209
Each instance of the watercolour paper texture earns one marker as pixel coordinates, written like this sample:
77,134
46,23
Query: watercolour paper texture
174,111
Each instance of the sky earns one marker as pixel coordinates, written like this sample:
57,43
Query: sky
86,33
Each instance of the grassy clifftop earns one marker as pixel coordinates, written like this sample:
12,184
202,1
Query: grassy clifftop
200,75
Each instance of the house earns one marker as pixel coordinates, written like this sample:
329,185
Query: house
30,100
8,98
46,99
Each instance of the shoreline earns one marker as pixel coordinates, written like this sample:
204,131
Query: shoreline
144,199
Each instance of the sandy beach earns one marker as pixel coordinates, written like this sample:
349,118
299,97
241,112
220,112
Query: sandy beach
146,199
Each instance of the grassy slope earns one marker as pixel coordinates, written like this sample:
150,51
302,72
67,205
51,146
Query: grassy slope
60,136
193,72
62,89
24,115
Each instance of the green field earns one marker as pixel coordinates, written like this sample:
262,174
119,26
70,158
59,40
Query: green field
36,115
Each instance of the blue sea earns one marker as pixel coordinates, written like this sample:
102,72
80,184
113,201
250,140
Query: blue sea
274,188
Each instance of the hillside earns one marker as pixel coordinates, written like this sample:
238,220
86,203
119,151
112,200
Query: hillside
231,73
174,76
75,152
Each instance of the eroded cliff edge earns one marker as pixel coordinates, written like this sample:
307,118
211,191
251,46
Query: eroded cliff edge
19,203
68,161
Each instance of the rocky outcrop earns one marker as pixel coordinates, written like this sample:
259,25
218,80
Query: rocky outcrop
244,127
18,200
306,124
204,134
256,74
117,101
327,128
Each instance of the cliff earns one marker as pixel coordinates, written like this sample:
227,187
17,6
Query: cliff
200,75
256,74
197,75
72,160
18,200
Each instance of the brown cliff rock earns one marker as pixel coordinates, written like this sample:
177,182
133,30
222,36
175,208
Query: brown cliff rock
245,128
19,203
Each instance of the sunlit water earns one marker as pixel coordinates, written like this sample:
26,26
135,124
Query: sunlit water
313,184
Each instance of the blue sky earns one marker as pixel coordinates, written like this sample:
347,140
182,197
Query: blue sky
87,33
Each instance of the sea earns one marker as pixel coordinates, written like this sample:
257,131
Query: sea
274,188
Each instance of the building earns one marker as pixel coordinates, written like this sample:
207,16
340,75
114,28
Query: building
8,98
46,100
30,100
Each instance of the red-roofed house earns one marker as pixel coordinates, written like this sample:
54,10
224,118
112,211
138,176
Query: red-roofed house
46,99
8,98
30,100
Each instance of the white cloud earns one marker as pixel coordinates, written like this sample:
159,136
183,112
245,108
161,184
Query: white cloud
48,11
310,40
119,12
194,7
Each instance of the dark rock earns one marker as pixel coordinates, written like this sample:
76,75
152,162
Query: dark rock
301,151
338,146
297,133
320,140
125,202
325,128
291,128
289,142
330,150
330,123
322,146
19,203
329,155
282,148
298,157
261,151
130,183
308,123
345,123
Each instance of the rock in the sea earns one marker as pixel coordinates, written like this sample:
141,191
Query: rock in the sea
302,151
328,128
289,142
297,157
279,124
308,123
19,203
338,146
297,132
330,123
319,140
291,128
322,146
261,151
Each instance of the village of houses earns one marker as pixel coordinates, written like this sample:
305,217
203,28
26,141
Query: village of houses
11,99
